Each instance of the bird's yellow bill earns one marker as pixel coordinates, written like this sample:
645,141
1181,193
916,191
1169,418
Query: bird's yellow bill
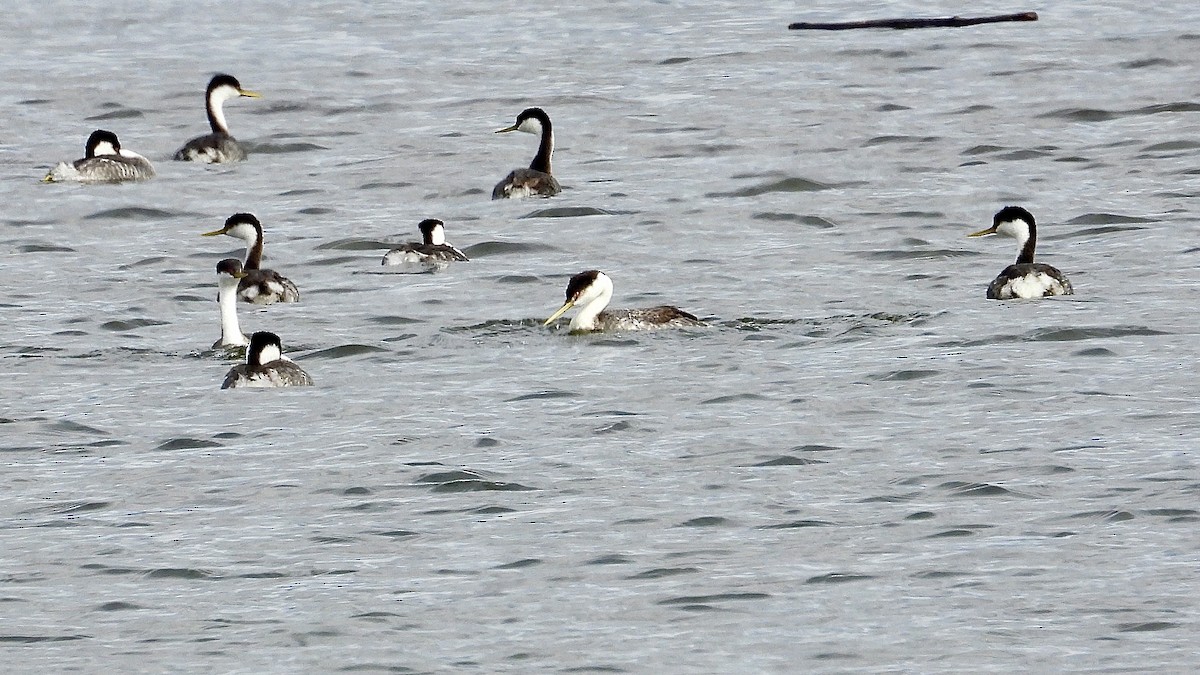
507,129
561,310
213,233
49,178
983,233
239,275
251,94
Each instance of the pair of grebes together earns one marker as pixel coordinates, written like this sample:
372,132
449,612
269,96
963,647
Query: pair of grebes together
106,161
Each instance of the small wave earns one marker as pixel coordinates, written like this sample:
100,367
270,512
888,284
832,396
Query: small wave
284,148
567,212
341,352
140,213
354,244
115,115
813,221
1074,334
131,324
468,481
792,184
1106,219
187,444
489,248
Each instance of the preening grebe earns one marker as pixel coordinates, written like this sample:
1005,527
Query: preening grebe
104,161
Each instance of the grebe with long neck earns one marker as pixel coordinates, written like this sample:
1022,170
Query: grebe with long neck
1024,278
537,179
218,146
591,292
259,286
431,253
266,366
229,272
104,161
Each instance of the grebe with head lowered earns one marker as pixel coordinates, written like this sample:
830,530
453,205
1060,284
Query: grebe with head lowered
266,366
229,272
104,161
591,291
218,146
536,180
433,252
260,286
1024,278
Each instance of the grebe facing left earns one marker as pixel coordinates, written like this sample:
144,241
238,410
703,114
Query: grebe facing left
104,161
259,286
1024,278
591,291
536,180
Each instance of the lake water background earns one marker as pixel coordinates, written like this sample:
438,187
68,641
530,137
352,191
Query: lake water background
861,466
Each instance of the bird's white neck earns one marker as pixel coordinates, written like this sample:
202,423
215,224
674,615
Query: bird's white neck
231,332
437,236
216,108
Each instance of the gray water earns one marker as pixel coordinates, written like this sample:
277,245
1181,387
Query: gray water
861,466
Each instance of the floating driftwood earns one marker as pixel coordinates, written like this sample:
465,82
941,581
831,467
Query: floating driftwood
900,24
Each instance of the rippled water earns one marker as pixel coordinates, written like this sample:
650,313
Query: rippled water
862,466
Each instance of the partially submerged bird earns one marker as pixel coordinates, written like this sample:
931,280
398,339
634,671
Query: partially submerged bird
260,286
104,161
433,252
591,291
218,146
229,273
1024,278
266,366
536,180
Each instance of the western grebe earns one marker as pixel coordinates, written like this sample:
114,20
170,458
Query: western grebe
229,273
433,252
536,180
260,286
218,146
104,161
592,290
266,366
1024,278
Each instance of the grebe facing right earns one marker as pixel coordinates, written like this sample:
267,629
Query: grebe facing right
536,180
218,146
1024,278
591,291
433,252
259,286
266,366
104,161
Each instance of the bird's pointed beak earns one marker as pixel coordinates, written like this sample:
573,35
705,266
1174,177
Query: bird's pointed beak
214,233
248,93
561,310
239,275
983,233
505,130
49,178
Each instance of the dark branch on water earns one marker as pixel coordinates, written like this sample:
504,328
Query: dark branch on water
900,24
